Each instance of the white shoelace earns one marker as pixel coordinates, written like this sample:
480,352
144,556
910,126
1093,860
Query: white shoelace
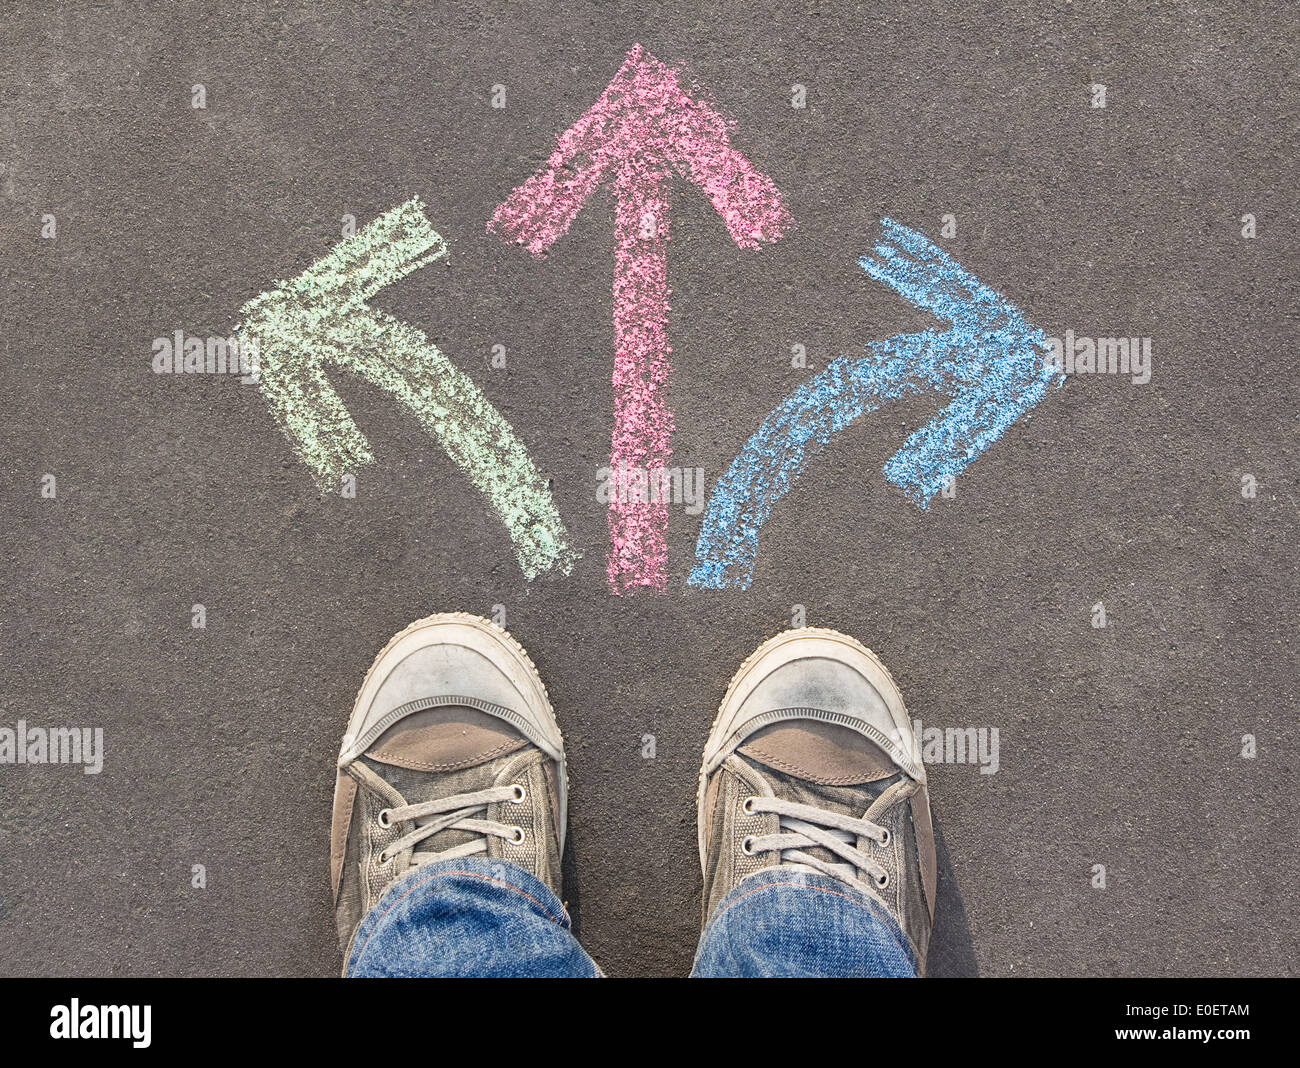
459,812
807,826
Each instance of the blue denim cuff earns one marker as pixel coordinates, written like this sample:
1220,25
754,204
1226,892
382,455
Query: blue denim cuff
784,923
469,916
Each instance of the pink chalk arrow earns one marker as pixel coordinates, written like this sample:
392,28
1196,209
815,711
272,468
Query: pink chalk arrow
641,131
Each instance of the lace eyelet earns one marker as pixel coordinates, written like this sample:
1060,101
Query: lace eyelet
384,862
518,837
520,794
747,846
883,882
383,819
747,806
885,840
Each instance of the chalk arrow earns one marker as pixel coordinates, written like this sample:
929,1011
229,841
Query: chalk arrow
990,361
321,318
642,131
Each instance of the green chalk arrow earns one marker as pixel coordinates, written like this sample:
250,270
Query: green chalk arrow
321,318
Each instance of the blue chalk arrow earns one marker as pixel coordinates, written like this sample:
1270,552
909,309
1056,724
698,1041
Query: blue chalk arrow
991,362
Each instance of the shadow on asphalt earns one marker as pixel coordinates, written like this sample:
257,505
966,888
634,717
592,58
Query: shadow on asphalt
952,951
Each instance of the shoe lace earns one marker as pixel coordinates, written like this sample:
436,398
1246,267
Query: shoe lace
458,812
802,827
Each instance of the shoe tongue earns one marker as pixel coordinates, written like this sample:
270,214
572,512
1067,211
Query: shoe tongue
451,738
821,753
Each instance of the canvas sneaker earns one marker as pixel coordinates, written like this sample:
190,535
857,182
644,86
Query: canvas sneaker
812,765
452,751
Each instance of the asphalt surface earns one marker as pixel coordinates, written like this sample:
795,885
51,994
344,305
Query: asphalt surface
1119,746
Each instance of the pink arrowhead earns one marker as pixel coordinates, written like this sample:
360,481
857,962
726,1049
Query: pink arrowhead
641,130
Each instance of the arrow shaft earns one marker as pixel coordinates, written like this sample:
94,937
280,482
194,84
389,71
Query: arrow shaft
402,360
641,442
788,441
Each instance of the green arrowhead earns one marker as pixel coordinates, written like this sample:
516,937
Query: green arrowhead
321,319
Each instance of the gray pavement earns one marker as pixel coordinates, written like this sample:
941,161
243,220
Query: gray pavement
1118,746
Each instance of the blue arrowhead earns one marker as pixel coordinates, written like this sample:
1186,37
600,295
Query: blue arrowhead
990,361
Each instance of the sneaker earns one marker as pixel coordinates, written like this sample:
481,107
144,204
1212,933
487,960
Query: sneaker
452,751
813,765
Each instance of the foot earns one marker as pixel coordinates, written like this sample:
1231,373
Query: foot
812,765
452,751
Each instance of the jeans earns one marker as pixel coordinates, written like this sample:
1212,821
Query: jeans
477,917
